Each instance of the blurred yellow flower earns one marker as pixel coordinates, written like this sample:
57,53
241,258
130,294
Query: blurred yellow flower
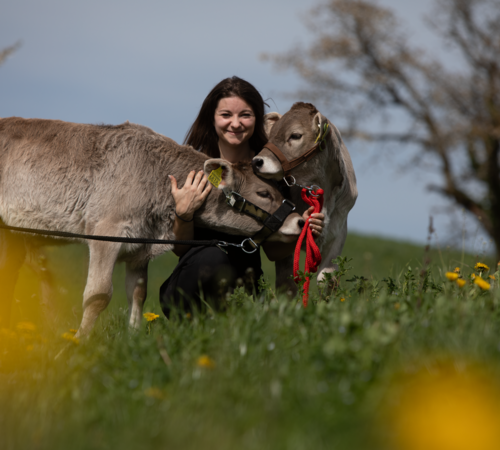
72,330
154,392
456,269
480,267
397,305
461,282
71,338
188,315
473,276
492,277
206,362
8,333
452,276
481,283
150,317
26,326
342,299
444,409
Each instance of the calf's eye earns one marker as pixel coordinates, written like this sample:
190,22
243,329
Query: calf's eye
264,194
295,136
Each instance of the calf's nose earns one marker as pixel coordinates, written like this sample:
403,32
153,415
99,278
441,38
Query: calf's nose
301,223
257,163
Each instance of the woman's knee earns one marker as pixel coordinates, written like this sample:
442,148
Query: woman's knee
212,256
213,262
206,271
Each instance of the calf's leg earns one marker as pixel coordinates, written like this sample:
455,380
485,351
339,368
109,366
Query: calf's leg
332,250
99,287
136,283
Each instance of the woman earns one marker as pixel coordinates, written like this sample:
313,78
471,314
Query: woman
230,125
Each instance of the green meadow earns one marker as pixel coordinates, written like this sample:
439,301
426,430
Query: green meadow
398,356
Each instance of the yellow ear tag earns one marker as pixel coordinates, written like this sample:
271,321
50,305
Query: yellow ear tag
215,177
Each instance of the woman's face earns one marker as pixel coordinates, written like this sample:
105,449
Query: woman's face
234,121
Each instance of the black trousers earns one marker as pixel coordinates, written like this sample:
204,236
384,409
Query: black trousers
201,272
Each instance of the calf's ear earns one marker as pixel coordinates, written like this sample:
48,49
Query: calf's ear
319,123
219,180
269,120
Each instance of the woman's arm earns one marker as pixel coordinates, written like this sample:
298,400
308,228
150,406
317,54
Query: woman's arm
279,250
187,201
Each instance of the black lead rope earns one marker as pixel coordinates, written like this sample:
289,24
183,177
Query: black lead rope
212,243
271,222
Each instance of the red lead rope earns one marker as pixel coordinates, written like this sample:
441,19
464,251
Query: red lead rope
313,256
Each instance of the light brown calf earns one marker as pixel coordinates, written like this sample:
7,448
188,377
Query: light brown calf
294,134
110,180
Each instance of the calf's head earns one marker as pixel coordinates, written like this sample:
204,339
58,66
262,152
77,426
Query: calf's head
293,133
240,178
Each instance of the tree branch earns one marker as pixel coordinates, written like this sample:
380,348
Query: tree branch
7,51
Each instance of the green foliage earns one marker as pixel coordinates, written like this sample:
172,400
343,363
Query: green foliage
264,373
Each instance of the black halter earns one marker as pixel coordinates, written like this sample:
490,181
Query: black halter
271,222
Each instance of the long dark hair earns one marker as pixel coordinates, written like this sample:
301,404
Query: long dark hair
202,135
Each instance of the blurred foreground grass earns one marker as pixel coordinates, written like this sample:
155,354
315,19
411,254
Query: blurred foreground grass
408,363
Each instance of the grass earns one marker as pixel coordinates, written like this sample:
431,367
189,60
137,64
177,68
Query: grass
265,373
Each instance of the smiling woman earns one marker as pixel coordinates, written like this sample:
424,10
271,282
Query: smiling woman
203,135
230,125
234,124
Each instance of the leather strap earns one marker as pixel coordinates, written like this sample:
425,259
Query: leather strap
288,166
239,203
282,158
274,221
271,222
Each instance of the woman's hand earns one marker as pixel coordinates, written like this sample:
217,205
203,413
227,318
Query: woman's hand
279,250
192,195
316,221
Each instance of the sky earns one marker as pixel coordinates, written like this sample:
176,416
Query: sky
153,62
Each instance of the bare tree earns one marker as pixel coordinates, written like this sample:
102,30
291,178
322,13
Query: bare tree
7,51
363,66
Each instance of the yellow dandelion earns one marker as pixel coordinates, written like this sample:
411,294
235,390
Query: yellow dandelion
8,333
154,392
461,282
452,276
26,326
473,276
447,410
456,269
492,277
206,362
342,299
480,267
71,338
481,283
397,305
151,317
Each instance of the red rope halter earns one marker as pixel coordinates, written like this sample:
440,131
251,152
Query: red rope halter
313,255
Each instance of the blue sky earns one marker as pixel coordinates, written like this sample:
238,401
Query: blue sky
153,62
